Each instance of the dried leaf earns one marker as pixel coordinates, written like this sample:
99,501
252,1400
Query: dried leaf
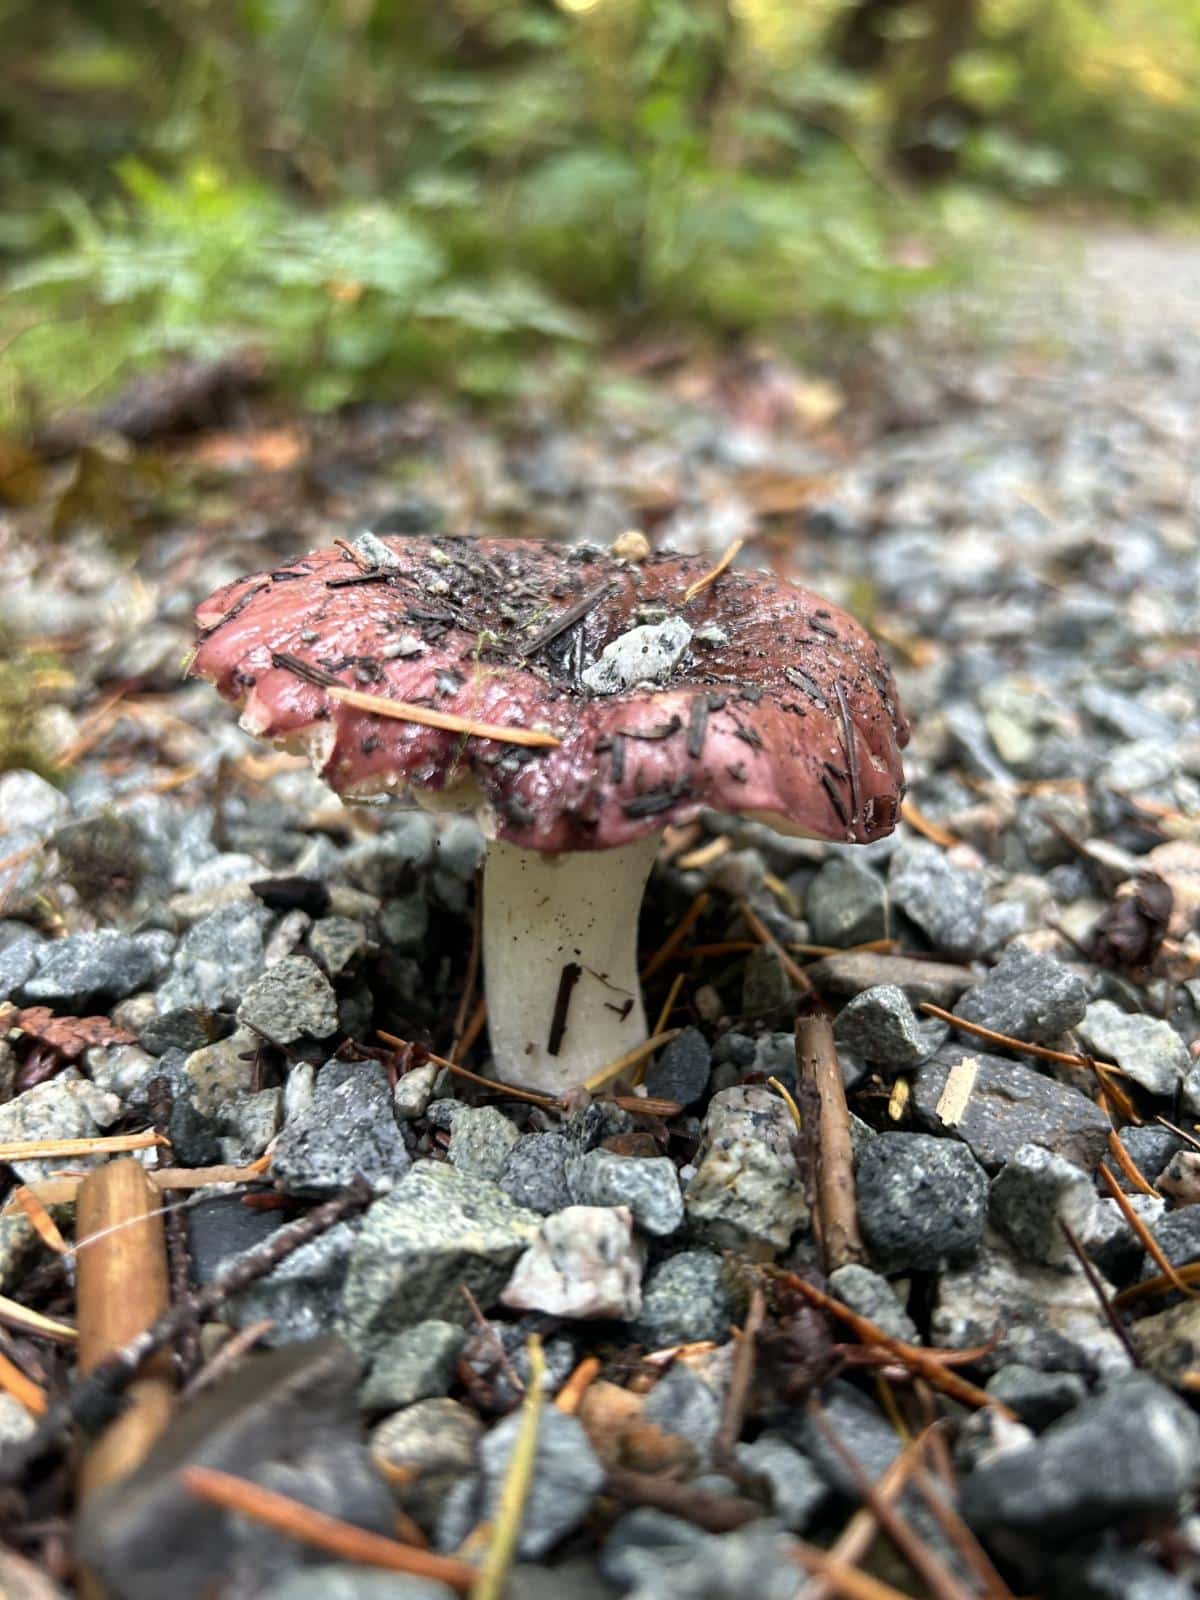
69,1037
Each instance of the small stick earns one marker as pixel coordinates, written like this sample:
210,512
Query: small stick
930,1364
764,936
677,935
859,1533
1150,1243
817,1062
564,620
230,1353
572,1392
121,1257
716,1513
62,1189
40,1220
517,1481
179,1256
958,1532
785,1094
664,1016
737,1395
316,1528
404,711
606,1075
1158,1285
694,860
693,589
838,1578
472,972
493,1338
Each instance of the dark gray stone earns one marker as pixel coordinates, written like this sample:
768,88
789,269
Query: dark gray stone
1145,1437
18,962
682,1404
1033,1195
766,986
649,1186
185,1028
336,943
685,1299
348,1129
881,1026
1178,1237
798,1491
1038,1398
417,1364
217,958
147,1537
566,1476
946,902
682,1070
1116,1574
535,1174
846,904
922,1202
644,1543
436,1231
1149,1148
302,1296
85,970
1027,996
1000,1105
849,974
753,1561
860,1427
291,1000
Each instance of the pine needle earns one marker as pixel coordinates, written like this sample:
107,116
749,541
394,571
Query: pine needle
405,711
693,589
14,1315
506,1528
49,1149
606,1075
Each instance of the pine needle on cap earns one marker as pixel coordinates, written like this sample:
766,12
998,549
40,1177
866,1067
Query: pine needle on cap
405,711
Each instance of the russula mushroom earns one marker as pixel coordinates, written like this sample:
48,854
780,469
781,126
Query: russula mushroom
642,692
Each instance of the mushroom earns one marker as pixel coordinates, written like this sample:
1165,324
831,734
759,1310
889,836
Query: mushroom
575,702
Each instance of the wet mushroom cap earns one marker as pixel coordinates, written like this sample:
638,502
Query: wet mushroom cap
759,697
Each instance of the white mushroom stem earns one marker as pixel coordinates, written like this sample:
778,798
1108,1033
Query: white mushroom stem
546,913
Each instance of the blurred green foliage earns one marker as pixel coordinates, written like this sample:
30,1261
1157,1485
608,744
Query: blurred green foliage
385,193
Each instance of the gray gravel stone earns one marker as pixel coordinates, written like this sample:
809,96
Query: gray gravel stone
685,1299
18,962
1108,1574
221,1071
217,958
1149,1148
681,1403
649,1186
1147,1439
344,1582
583,1263
291,1000
922,1202
881,1026
65,1107
946,902
535,1172
766,986
682,1070
1033,1194
438,1442
437,1230
798,1491
302,1296
753,1561
28,801
481,1141
746,1194
417,1364
404,923
873,1297
846,904
347,1130
1026,996
1038,1398
1146,1048
16,1422
566,1476
859,1425
336,943
645,1542
996,1105
84,970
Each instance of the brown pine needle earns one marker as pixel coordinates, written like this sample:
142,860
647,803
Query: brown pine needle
577,1385
40,1220
973,1555
1150,1244
677,935
706,854
785,1094
1158,1285
764,936
840,1579
14,1382
606,1075
668,1005
506,1527
859,1533
693,589
471,1032
404,711
930,1364
14,1315
1125,1161
545,1101
1042,1052
63,1187
323,1532
49,1149
920,823
357,556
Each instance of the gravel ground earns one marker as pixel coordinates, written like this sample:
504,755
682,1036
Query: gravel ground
1007,499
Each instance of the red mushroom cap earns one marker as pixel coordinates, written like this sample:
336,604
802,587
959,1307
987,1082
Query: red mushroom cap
778,705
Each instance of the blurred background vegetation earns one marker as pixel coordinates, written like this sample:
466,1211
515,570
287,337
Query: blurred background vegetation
382,194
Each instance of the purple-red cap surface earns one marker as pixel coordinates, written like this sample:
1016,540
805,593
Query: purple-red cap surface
755,696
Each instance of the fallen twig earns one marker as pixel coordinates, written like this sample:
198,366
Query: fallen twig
506,1528
14,1382
817,1062
716,1513
62,1188
316,1528
859,1533
733,1415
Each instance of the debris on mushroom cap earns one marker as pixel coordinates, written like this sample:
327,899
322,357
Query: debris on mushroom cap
767,700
